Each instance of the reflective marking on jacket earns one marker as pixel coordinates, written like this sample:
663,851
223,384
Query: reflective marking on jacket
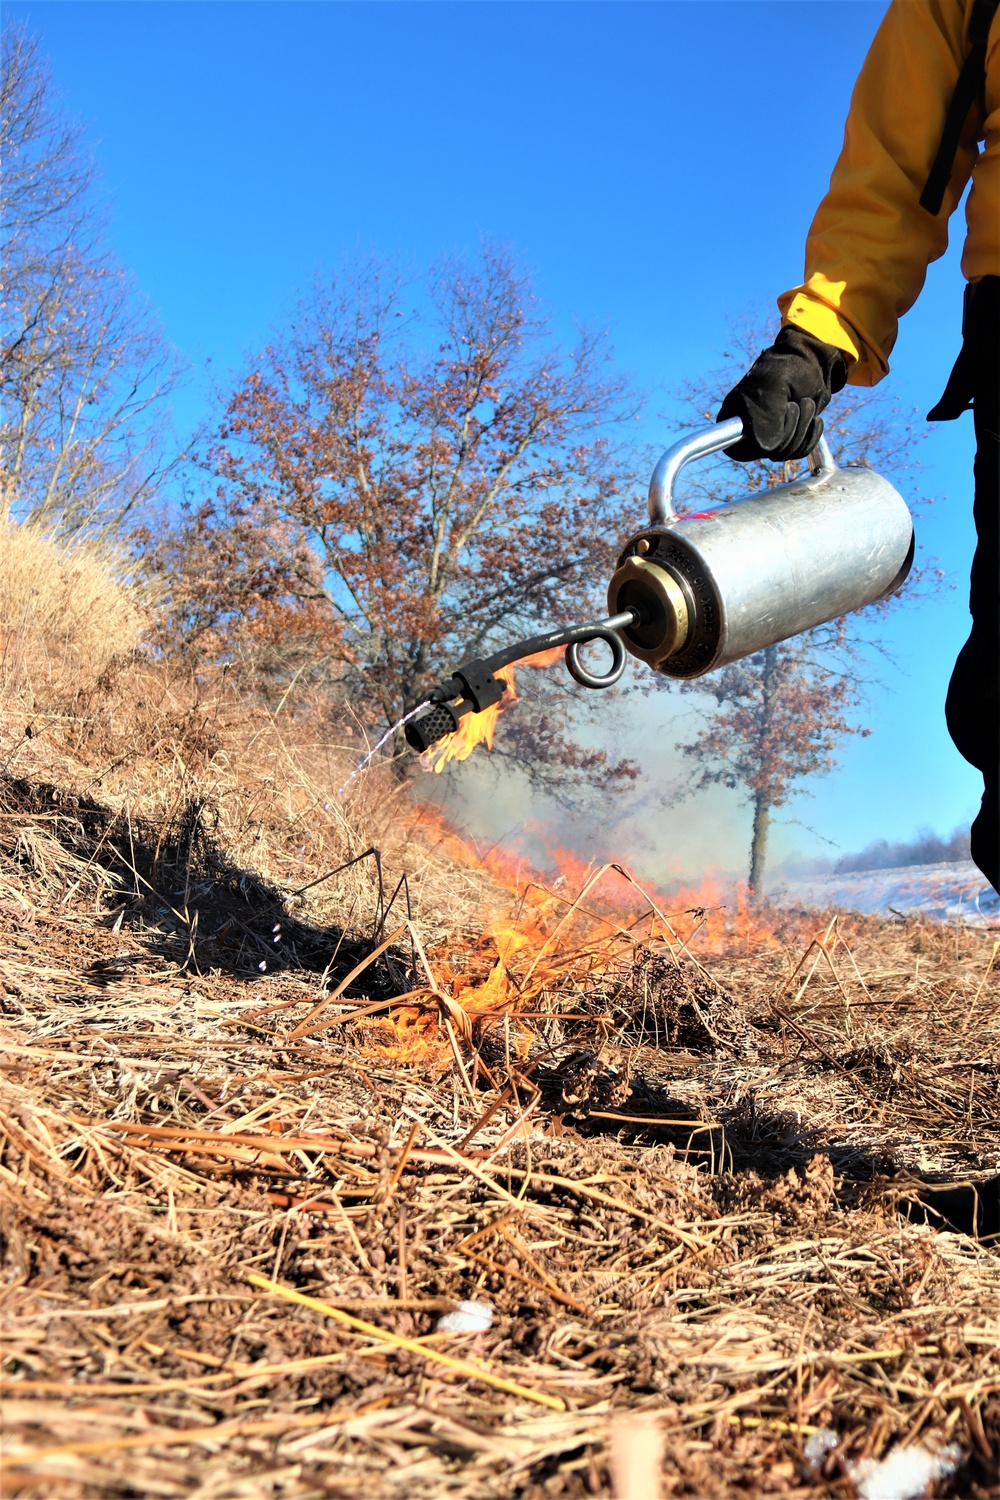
870,243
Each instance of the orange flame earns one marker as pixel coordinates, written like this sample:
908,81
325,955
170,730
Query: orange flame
555,932
478,729
573,922
555,935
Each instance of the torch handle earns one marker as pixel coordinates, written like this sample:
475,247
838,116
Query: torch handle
699,445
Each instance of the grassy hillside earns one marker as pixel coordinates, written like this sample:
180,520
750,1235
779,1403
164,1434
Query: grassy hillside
286,1076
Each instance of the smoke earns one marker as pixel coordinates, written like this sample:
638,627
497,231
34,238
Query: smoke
660,834
669,842
660,838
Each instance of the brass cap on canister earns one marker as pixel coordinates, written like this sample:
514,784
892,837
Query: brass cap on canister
663,612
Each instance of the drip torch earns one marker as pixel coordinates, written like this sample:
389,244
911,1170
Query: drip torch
473,687
695,592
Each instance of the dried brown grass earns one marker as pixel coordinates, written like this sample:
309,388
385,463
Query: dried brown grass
67,611
676,1176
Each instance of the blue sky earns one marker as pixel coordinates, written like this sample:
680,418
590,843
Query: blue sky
656,164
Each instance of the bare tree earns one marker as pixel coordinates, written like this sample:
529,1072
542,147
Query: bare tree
405,490
780,715
83,368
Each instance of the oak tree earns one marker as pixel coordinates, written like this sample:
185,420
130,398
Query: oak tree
778,718
397,489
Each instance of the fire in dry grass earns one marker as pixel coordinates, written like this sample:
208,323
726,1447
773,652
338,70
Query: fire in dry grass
575,920
479,729
569,930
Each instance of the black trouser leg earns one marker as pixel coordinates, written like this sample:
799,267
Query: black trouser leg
973,703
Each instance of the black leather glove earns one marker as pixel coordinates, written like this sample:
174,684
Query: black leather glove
781,396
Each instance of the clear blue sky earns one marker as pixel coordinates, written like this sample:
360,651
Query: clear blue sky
657,164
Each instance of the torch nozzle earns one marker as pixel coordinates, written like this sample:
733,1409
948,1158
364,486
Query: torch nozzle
474,686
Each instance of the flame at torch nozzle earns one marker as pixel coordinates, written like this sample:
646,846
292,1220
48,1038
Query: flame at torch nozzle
464,708
479,728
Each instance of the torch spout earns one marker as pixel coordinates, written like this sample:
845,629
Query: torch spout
474,686
573,637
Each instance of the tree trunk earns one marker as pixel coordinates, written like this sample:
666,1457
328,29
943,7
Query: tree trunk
762,800
758,847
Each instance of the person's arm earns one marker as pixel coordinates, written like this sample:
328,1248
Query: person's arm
871,242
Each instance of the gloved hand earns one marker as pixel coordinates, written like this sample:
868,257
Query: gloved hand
781,396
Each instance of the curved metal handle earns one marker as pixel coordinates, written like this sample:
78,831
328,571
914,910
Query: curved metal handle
700,445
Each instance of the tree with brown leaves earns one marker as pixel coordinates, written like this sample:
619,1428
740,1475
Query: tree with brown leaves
396,492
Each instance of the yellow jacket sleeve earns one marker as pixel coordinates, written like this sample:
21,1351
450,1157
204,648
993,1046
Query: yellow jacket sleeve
870,243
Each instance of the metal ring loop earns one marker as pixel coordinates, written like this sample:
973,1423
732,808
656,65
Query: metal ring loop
588,679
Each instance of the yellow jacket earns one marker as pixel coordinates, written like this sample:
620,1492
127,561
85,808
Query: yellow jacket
870,243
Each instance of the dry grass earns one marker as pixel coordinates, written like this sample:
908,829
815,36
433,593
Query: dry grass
66,613
670,1149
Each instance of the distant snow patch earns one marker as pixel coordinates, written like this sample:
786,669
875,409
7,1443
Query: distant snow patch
950,892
